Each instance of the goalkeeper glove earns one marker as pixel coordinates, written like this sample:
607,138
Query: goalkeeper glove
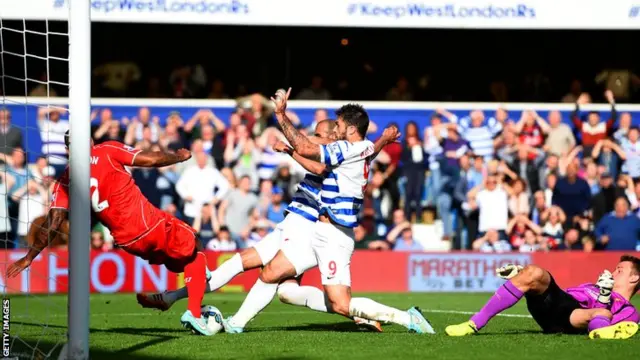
605,285
508,271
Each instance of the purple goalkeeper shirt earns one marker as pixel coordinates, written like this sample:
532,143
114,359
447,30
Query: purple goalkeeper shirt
622,310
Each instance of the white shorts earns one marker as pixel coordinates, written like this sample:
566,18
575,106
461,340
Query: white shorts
296,242
268,247
333,247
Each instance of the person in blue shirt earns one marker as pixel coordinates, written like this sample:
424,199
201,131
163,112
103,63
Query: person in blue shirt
406,242
619,230
275,210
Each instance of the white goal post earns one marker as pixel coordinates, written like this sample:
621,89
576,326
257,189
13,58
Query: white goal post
80,152
35,57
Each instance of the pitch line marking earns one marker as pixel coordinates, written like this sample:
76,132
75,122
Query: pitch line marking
155,313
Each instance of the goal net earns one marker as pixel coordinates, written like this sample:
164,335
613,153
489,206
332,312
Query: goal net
34,116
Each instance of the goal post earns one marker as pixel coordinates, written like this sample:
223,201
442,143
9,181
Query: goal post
79,159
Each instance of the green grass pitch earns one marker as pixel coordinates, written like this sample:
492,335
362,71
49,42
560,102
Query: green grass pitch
121,330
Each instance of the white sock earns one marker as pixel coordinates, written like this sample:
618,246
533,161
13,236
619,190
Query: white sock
225,272
257,299
219,278
309,296
369,309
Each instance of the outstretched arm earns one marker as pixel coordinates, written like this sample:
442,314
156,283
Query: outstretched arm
311,166
45,235
156,159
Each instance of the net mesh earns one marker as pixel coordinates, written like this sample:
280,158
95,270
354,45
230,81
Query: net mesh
34,71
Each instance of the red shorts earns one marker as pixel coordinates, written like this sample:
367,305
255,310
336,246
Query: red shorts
171,243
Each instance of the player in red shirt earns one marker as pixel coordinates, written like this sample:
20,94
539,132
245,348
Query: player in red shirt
137,226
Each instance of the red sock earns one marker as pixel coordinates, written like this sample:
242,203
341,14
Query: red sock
195,279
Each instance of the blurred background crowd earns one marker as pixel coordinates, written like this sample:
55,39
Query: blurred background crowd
489,181
484,182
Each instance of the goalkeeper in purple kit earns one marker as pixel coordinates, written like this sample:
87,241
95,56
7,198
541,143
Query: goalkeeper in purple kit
603,310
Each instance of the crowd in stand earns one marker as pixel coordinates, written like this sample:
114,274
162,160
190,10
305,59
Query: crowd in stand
486,182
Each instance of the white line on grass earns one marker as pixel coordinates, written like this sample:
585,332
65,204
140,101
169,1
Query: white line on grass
294,312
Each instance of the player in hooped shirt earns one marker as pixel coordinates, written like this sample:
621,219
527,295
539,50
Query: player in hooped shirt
330,244
302,212
136,225
602,309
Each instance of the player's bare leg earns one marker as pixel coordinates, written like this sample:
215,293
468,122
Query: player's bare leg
291,292
532,279
340,302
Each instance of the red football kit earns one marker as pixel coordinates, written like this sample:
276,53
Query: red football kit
135,224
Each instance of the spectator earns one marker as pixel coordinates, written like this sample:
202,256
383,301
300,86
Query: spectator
413,164
603,202
491,200
242,155
560,139
364,240
593,130
97,241
206,224
222,241
52,130
553,229
631,154
235,208
518,198
620,230
571,193
6,182
539,207
10,136
528,169
199,185
140,124
624,125
32,201
479,136
196,148
406,242
608,155
259,231
492,242
275,211
531,130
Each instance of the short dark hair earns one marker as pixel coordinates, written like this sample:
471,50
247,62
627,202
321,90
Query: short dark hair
636,267
354,115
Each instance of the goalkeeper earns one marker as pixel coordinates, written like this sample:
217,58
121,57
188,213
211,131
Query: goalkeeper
601,309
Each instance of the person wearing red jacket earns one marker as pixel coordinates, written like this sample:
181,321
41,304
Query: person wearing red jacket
593,130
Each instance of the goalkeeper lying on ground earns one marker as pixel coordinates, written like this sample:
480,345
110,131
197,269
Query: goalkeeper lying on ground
603,309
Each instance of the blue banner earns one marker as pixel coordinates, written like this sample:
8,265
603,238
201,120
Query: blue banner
459,272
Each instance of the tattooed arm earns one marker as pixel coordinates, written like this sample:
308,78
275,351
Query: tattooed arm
298,141
47,233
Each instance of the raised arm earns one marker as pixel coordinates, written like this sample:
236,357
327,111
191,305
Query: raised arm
298,141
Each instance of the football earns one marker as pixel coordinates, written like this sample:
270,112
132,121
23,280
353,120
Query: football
213,317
